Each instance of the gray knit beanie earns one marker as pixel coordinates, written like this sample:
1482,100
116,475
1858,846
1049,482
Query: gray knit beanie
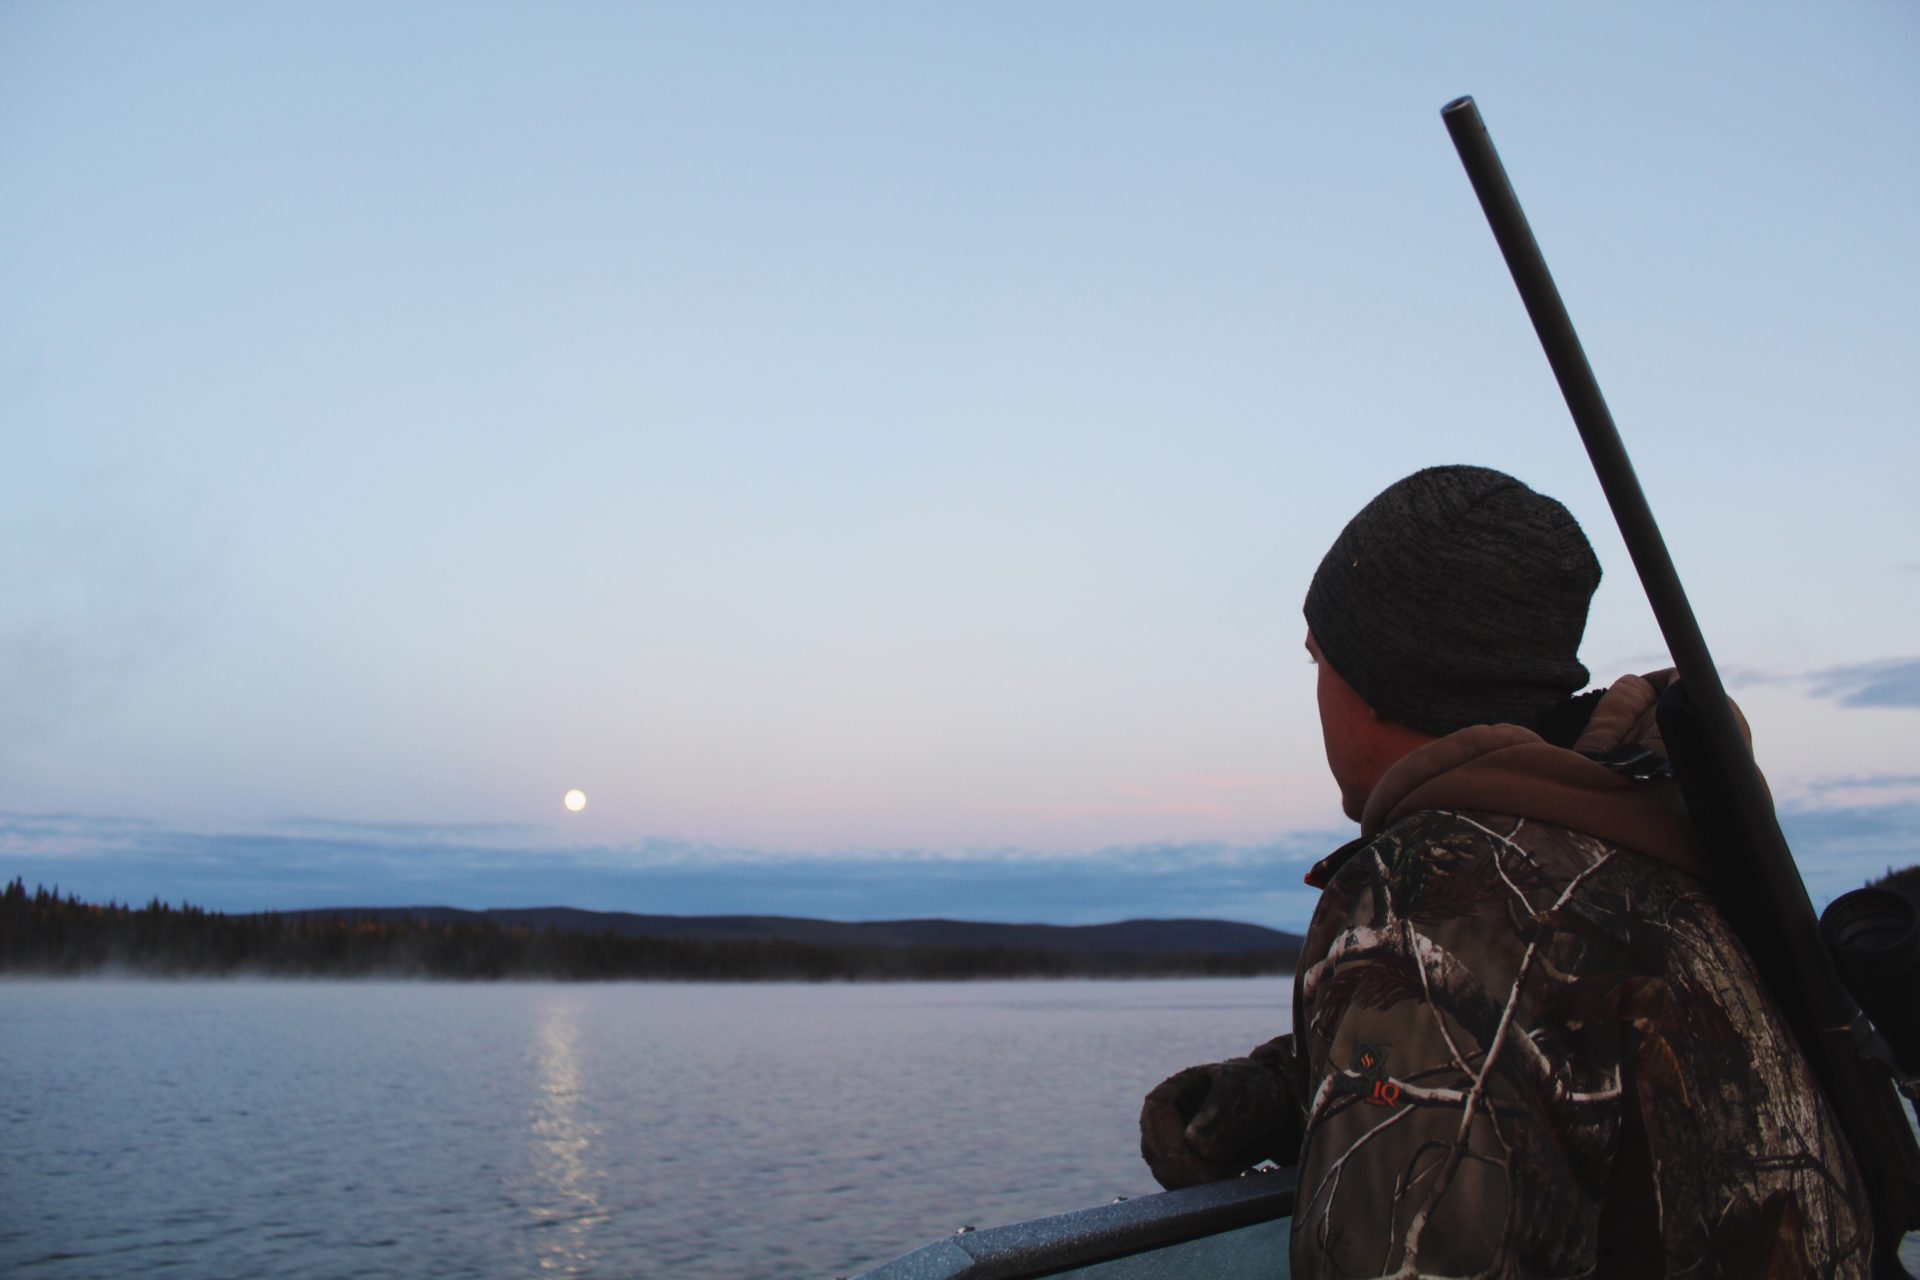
1457,597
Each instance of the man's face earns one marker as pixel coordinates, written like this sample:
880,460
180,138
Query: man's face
1345,724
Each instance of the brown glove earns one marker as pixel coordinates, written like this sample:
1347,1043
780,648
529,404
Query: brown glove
1214,1121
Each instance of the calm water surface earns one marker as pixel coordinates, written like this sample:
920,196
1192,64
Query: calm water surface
348,1129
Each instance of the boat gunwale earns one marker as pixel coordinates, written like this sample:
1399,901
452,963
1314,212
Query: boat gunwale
1047,1246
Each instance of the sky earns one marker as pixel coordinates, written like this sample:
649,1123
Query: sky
878,452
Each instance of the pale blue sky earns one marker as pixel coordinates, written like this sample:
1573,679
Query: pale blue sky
836,434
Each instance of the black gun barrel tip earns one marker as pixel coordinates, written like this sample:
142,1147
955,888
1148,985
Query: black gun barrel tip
1462,103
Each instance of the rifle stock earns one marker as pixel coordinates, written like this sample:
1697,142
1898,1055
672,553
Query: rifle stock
1754,877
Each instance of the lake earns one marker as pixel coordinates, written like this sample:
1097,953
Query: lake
328,1129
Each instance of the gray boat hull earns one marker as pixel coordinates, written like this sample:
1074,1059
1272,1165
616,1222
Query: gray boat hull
1232,1230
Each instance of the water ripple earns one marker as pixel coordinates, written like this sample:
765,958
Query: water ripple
701,1132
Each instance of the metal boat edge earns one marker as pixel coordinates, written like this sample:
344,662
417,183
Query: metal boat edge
1110,1232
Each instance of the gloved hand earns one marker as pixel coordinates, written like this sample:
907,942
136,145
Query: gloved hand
1214,1121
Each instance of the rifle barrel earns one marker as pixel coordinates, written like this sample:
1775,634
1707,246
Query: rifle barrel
1764,896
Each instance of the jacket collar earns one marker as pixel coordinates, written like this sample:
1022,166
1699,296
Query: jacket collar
1503,768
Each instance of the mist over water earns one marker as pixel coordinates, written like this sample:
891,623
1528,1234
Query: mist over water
336,1129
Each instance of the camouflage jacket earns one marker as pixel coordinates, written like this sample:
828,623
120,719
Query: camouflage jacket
1528,1044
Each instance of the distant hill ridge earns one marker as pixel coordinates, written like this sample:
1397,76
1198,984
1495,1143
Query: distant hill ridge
1128,937
42,932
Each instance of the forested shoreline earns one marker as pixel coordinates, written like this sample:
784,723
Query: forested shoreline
1905,881
43,933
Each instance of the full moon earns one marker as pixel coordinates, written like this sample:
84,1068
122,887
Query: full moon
575,800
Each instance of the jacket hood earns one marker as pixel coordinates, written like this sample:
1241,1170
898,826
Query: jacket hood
1503,768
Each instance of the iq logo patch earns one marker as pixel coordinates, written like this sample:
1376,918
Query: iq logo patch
1369,1076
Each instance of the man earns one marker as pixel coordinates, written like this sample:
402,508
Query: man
1525,1042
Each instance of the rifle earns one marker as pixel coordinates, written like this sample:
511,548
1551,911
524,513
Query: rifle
1751,869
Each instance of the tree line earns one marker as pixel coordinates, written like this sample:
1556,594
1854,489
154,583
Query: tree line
42,932
1904,881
